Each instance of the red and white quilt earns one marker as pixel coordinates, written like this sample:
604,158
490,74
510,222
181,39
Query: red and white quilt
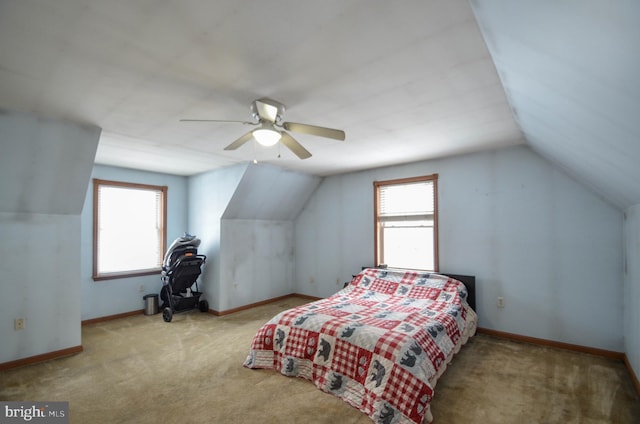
379,344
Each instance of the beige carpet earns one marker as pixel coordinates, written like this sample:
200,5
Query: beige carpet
143,370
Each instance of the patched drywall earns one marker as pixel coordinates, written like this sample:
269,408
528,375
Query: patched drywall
257,261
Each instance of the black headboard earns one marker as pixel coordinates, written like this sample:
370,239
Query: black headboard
470,283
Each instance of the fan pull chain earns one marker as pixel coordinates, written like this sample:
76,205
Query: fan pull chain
255,160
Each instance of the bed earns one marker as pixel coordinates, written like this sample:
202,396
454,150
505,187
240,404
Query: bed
380,344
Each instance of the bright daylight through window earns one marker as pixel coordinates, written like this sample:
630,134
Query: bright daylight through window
129,230
406,220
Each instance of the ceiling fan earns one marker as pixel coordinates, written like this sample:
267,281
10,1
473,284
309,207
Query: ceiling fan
268,117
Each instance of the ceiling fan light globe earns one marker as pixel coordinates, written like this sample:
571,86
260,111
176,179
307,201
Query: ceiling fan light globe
266,137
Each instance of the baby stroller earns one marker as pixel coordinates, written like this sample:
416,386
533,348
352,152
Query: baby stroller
180,271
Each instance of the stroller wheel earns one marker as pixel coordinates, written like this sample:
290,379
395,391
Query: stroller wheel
167,314
204,306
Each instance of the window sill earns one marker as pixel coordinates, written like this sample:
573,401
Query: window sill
126,274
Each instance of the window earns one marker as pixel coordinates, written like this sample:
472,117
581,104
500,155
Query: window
406,223
129,229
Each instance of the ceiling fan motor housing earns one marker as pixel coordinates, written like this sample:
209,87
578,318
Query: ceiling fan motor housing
267,109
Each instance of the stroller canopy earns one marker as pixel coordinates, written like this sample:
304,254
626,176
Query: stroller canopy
187,241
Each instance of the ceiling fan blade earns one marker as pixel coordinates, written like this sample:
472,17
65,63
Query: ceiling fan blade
219,120
239,142
314,130
294,146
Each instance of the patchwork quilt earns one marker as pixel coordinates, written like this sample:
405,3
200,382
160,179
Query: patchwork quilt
379,344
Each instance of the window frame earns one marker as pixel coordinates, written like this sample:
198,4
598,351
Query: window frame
97,183
377,223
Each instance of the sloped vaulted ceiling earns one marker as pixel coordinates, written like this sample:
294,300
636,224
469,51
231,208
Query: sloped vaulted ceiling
45,165
407,81
571,72
267,192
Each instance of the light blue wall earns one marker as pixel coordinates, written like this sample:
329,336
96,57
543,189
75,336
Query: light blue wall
40,273
245,215
249,209
44,170
257,235
257,261
209,195
551,247
632,287
111,297
529,233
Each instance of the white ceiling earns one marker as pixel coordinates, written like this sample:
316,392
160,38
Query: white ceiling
407,80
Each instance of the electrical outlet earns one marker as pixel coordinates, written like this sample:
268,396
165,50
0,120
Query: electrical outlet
18,324
500,302
141,288
312,280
